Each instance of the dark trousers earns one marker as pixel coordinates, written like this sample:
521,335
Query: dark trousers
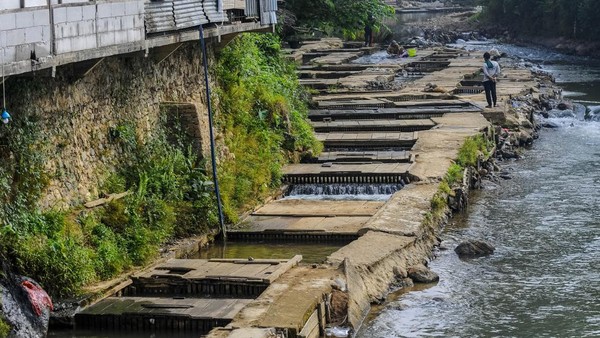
490,92
368,36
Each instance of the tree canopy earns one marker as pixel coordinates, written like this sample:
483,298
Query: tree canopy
566,18
332,17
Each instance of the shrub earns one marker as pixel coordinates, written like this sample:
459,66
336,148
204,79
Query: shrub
4,328
263,117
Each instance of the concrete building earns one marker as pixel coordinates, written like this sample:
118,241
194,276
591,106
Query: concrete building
43,34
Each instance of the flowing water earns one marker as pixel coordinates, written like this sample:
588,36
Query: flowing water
542,281
355,191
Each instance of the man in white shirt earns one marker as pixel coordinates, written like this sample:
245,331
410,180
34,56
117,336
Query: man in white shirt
491,71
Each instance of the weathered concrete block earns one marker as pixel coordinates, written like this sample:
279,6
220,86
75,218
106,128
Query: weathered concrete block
132,7
60,15
8,21
86,27
138,21
66,30
88,12
46,33
9,54
106,39
2,39
108,25
74,13
136,35
121,37
42,49
25,19
33,34
15,37
41,17
91,41
118,9
10,4
63,46
127,22
103,10
79,43
35,3
74,1
23,52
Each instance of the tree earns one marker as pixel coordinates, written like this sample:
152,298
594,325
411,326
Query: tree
555,18
332,17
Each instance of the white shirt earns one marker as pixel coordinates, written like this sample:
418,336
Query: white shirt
489,73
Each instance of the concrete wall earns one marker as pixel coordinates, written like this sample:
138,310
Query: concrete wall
81,26
77,26
23,31
70,31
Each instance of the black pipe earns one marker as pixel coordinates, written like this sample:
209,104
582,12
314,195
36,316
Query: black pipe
212,138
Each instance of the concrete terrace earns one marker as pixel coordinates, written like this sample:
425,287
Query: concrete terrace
372,135
391,233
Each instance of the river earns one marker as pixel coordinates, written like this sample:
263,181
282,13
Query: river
545,224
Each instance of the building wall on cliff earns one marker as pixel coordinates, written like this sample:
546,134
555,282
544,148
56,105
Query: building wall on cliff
76,114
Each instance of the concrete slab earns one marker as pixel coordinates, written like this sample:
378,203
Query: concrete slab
365,156
373,125
295,207
404,213
437,149
326,225
350,168
361,251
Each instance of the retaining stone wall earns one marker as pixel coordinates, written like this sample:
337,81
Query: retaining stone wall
76,115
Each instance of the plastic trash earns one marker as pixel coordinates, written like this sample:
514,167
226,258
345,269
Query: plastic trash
337,332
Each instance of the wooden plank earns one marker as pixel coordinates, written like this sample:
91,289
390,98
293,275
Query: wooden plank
108,199
311,328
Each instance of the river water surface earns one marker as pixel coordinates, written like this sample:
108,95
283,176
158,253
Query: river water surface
543,279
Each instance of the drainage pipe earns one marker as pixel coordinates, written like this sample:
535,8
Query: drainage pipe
212,138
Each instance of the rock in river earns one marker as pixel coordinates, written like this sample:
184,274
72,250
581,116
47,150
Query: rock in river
474,248
421,274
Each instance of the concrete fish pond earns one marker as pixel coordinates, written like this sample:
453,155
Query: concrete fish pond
185,295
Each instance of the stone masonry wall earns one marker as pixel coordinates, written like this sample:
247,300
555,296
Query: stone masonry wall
77,114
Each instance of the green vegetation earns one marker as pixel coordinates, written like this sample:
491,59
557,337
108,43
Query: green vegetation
472,149
567,18
4,328
469,152
65,250
332,17
262,115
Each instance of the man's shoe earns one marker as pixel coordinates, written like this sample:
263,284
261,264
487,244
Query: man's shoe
488,106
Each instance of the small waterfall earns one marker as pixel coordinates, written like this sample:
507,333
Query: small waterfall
343,191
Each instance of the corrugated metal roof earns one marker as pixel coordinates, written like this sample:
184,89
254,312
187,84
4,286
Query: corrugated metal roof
252,9
189,13
268,12
211,9
159,16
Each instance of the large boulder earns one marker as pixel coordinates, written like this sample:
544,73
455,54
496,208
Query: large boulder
474,248
25,306
421,274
